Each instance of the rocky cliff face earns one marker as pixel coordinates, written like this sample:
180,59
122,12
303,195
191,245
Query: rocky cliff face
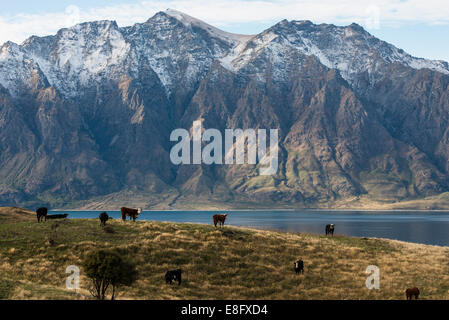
86,115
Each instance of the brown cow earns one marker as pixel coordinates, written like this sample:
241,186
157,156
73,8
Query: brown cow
410,292
132,213
220,219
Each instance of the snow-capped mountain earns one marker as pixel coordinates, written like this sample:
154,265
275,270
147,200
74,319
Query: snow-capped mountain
351,49
88,112
179,47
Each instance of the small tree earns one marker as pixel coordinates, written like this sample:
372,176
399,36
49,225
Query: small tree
108,269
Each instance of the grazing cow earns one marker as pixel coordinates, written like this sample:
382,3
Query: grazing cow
57,216
220,219
41,213
174,275
299,266
410,292
103,218
132,213
330,229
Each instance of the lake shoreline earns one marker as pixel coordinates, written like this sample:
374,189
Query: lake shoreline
412,226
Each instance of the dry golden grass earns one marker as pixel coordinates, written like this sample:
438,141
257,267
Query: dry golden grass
14,214
232,263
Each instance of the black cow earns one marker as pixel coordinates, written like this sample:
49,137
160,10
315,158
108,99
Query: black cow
174,275
41,213
330,229
103,218
57,216
299,266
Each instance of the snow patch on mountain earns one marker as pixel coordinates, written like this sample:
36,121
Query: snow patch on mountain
350,49
244,52
81,56
89,52
179,48
421,63
187,20
16,68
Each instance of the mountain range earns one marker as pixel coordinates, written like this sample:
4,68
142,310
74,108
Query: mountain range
86,116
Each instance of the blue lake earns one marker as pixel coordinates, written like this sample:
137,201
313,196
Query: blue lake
413,226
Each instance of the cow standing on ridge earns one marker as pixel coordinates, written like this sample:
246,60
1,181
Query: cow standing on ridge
330,229
132,213
220,219
41,213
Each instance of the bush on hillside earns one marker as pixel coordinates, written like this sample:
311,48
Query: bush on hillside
107,269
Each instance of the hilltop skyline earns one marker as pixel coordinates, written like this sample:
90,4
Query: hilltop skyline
413,27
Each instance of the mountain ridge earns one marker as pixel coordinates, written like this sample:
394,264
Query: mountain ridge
87,113
189,22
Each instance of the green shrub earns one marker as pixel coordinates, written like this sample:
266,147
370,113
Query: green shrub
107,269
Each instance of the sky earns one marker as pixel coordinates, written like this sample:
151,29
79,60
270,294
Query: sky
420,27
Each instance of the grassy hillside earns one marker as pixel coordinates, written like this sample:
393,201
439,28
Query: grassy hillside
232,263
13,214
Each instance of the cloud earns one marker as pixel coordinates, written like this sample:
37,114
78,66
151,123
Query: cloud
223,13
